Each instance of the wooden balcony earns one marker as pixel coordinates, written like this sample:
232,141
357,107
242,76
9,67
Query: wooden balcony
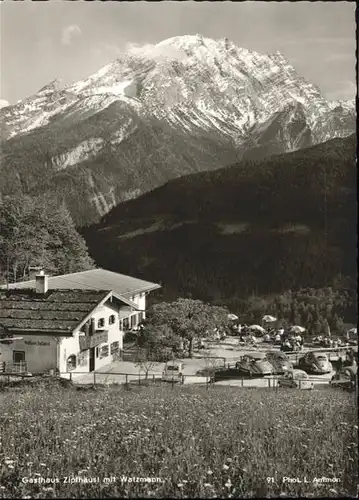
89,341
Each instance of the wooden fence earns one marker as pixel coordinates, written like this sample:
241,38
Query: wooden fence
128,379
20,367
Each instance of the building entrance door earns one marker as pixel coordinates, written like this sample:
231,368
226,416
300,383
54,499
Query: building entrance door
92,359
18,356
19,363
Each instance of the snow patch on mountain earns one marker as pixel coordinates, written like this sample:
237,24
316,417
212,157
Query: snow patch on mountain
118,88
347,105
4,103
121,135
103,202
40,119
80,153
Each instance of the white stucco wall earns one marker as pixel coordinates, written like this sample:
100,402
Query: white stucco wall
140,301
71,346
40,352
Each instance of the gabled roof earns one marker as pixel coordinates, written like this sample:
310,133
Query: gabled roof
95,279
57,312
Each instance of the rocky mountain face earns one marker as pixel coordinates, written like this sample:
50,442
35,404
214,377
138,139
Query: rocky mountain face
187,104
265,226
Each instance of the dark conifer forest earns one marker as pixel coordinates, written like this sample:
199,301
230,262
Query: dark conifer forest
257,228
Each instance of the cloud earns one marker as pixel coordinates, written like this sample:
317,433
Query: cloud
107,49
4,103
336,56
345,89
324,40
69,33
150,51
113,48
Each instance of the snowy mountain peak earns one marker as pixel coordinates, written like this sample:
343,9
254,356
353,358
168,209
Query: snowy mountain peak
278,56
188,103
185,41
53,86
189,81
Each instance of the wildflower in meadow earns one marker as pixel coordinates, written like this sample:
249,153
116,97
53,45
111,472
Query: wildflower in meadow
228,483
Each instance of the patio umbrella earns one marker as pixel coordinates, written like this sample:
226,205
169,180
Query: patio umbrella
297,329
268,318
232,317
257,327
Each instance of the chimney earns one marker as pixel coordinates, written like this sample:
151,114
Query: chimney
42,283
33,271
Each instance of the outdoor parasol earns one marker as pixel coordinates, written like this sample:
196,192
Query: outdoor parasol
297,329
257,327
268,318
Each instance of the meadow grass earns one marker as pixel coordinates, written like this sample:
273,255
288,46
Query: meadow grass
217,442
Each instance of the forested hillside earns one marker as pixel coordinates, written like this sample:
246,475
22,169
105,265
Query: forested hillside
262,227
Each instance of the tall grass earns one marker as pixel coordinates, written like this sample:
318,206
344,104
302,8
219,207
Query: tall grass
221,442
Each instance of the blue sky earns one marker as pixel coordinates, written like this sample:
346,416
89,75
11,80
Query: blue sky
70,40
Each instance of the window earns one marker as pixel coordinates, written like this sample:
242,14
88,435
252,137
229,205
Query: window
115,347
71,362
18,356
101,323
141,316
112,319
86,328
126,323
104,351
133,320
